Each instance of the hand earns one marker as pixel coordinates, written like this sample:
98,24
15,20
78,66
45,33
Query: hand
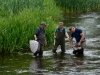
72,46
68,39
45,43
79,44
54,36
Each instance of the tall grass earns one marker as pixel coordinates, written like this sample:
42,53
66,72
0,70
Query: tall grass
20,18
78,6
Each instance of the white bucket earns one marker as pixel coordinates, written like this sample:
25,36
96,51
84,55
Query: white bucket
34,45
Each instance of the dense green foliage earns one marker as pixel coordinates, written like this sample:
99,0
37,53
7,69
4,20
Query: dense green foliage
20,18
78,6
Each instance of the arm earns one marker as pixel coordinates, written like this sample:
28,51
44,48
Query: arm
71,41
45,43
67,35
82,38
35,37
36,33
54,34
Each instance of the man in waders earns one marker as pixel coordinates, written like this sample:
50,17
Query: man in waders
80,40
59,36
39,36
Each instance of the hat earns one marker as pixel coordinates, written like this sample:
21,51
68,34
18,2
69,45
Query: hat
43,23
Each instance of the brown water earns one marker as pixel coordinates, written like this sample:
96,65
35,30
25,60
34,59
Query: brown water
61,64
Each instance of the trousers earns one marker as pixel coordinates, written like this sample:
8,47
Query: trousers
81,50
61,43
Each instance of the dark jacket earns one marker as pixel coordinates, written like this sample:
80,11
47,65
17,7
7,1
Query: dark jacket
40,33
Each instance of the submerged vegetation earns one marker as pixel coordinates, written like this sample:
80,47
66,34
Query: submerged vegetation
20,18
78,6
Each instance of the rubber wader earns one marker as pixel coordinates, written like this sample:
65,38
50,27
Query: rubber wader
59,40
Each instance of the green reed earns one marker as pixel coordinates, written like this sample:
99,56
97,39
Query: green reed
78,6
19,20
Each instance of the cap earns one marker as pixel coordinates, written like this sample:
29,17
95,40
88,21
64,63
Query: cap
43,23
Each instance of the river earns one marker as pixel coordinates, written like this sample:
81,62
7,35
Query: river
61,64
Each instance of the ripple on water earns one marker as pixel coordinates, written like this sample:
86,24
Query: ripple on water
93,42
90,15
21,71
98,26
83,73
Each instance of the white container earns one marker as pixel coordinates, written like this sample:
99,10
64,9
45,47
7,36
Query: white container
34,45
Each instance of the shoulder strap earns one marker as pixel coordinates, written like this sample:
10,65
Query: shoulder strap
64,30
58,29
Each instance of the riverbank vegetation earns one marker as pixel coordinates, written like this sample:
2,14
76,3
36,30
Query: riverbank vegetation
20,18
78,6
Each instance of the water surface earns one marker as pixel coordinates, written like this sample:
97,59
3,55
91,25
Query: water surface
61,64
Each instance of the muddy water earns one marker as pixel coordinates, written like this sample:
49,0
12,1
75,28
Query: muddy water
61,64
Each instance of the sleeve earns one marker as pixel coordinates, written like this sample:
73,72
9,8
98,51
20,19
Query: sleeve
66,31
80,31
37,31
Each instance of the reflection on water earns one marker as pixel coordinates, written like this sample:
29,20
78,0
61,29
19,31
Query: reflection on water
61,63
36,66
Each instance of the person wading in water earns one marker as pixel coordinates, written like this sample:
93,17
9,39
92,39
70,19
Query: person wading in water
80,40
59,36
39,36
